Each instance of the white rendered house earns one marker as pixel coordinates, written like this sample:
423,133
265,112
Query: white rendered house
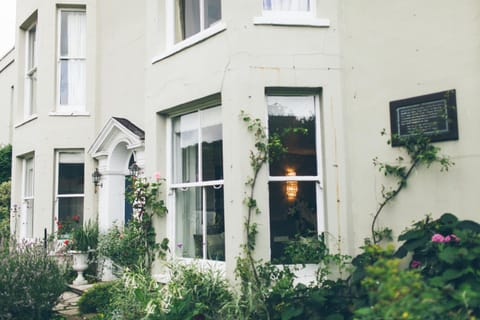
103,84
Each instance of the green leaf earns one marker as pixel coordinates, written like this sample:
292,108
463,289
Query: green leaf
292,312
469,225
449,255
452,274
413,234
448,218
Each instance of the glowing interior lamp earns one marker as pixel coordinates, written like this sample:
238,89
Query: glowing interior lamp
291,187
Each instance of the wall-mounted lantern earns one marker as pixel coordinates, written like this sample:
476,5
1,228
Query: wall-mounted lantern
134,169
97,177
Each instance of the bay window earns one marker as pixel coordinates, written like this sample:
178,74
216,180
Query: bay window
31,71
69,190
71,84
194,16
295,176
198,184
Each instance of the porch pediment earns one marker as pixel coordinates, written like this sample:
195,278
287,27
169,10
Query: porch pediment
115,131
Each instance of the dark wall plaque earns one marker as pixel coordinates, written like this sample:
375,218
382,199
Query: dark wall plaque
434,115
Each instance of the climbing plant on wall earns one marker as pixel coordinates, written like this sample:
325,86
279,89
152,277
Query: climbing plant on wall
419,152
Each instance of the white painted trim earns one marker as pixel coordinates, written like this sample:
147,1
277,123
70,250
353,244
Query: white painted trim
69,114
172,187
31,118
319,178
291,21
196,38
132,141
30,71
57,171
197,184
67,109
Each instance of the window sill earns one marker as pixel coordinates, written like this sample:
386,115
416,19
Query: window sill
189,42
27,120
69,114
204,263
289,21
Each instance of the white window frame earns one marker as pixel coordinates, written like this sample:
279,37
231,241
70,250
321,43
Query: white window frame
57,179
28,197
30,102
172,187
171,47
320,196
292,18
68,109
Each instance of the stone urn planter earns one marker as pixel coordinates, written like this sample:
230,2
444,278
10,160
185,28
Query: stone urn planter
80,264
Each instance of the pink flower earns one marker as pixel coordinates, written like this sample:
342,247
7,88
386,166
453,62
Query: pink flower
438,238
447,239
76,218
415,264
157,175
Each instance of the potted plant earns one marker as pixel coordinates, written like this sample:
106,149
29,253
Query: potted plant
84,240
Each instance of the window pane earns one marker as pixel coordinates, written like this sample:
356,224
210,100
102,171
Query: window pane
72,34
212,149
186,147
292,120
286,5
188,214
187,17
32,34
213,12
293,212
70,213
215,224
29,178
70,178
72,82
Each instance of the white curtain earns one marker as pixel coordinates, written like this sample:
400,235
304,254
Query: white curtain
286,5
72,55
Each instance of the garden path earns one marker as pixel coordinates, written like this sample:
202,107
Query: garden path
68,303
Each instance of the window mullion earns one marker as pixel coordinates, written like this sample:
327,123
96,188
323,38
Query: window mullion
199,152
202,15
204,223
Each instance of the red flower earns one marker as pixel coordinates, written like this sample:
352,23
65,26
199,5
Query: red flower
59,225
65,242
76,218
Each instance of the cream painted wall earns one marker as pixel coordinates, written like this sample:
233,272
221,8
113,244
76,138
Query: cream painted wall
120,81
396,50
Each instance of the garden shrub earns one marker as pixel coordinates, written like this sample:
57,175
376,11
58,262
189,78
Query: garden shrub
446,252
30,283
394,293
5,210
132,295
193,293
97,299
325,299
124,246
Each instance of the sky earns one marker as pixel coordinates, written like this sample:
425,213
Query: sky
7,26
